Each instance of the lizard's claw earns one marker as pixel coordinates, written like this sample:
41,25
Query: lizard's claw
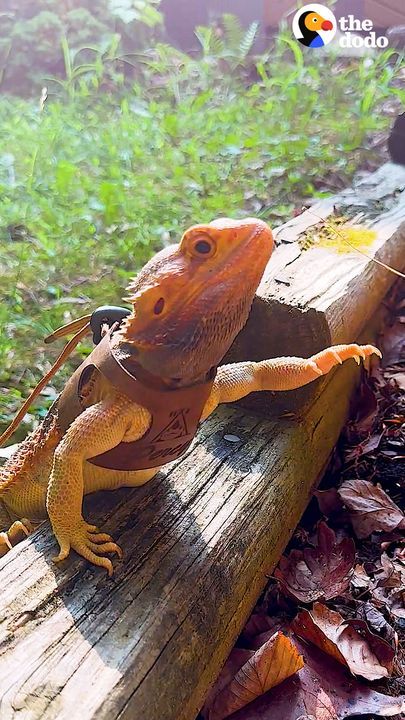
5,544
90,544
327,359
18,531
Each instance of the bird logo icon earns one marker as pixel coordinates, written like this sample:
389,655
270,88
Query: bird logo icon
314,25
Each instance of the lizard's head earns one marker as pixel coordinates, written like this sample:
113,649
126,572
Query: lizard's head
191,299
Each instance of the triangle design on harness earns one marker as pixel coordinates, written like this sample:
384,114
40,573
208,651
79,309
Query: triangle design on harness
176,428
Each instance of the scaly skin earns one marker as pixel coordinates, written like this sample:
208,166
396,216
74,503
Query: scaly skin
189,303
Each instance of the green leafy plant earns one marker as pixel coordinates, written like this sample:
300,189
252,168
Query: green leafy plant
227,42
32,33
96,182
100,67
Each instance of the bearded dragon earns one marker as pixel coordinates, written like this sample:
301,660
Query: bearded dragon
188,304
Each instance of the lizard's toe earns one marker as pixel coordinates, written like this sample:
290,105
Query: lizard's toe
100,537
371,350
19,530
107,547
98,560
91,528
5,544
90,544
64,552
358,352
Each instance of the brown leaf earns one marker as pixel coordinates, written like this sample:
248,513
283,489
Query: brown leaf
259,640
362,652
366,408
259,622
391,572
393,348
322,690
377,622
398,376
237,658
329,501
360,580
392,538
371,510
389,586
275,661
321,572
371,444
392,599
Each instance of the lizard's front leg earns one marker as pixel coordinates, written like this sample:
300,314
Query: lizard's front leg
98,429
286,373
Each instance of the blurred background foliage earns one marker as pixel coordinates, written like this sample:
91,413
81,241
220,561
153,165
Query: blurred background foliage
31,33
134,140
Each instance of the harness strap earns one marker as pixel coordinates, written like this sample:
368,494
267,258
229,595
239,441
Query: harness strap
175,412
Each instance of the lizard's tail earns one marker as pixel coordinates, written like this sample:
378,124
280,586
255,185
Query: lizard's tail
67,350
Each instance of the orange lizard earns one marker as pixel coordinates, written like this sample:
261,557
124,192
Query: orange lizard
188,304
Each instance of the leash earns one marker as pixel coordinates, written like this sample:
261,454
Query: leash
98,323
67,350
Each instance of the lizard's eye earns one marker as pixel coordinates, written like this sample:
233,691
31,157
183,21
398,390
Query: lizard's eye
203,246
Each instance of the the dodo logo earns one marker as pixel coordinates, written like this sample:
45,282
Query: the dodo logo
314,25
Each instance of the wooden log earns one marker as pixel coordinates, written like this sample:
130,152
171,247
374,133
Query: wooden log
198,542
309,299
198,539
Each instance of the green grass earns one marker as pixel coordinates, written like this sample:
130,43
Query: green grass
95,184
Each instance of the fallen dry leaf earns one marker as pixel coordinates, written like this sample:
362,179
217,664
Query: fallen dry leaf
320,572
371,444
398,375
275,661
371,509
329,501
350,642
366,408
389,586
393,599
259,622
322,690
237,658
259,640
360,580
393,348
393,538
377,622
391,572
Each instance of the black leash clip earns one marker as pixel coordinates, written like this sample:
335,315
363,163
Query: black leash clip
106,315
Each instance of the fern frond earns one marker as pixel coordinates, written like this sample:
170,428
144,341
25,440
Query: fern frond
248,39
217,46
211,44
233,32
203,35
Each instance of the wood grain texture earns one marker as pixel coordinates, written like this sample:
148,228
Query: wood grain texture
309,299
199,538
198,542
